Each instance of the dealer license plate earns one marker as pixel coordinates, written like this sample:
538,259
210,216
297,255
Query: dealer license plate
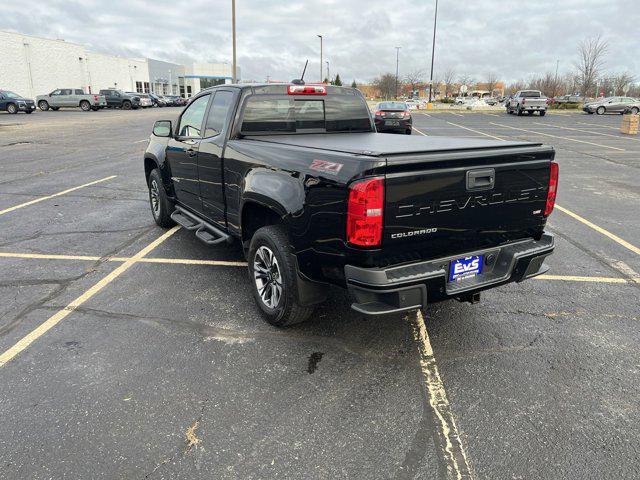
466,267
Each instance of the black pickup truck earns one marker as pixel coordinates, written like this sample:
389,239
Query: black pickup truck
298,175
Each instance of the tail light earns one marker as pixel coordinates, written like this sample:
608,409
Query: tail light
379,113
365,211
553,189
307,90
406,114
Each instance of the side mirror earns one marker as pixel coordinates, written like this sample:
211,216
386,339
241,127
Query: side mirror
162,128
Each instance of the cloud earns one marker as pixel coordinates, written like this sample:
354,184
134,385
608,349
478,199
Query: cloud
514,40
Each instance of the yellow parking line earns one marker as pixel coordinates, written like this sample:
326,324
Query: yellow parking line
572,278
475,131
558,136
87,258
231,263
455,456
587,131
421,133
64,192
601,230
56,318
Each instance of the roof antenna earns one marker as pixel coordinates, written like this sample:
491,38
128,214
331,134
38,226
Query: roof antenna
301,80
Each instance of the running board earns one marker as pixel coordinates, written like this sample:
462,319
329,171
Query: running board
206,233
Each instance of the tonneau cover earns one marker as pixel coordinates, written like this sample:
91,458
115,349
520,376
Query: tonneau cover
381,144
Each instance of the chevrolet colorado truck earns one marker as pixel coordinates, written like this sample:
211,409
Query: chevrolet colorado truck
299,176
527,101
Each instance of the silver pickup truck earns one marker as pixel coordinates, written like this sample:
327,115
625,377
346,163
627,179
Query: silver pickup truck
527,101
71,97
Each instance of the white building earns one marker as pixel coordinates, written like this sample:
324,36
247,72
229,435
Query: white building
32,66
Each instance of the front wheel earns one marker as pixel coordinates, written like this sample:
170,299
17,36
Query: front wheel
273,276
601,110
43,105
635,110
126,105
161,206
519,112
12,108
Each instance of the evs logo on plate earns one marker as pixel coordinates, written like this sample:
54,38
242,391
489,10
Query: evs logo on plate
465,267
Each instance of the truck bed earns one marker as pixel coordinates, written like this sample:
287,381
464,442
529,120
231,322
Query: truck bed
384,145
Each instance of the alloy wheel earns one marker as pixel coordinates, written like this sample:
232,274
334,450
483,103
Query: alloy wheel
266,273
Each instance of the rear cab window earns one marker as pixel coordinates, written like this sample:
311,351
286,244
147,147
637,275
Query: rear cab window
270,110
530,94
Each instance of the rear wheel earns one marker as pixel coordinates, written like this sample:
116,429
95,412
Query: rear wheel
55,109
635,110
12,108
519,112
126,105
273,276
43,105
85,106
161,206
408,131
600,110
543,113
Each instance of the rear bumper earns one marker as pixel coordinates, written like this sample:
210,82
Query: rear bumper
386,290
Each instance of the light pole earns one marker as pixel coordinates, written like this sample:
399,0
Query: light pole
397,63
234,78
320,36
170,83
433,50
328,74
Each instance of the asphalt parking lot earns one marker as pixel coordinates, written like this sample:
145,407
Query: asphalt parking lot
128,351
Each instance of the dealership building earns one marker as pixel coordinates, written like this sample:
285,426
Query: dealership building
32,66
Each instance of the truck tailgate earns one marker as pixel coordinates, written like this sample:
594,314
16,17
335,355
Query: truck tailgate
447,203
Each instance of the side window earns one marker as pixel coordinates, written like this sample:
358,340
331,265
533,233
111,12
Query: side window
56,92
218,113
66,91
191,120
79,92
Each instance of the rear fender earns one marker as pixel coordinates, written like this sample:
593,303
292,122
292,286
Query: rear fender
280,191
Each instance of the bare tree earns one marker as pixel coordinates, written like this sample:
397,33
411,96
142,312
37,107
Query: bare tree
620,81
465,79
492,80
591,54
414,79
448,79
515,86
547,83
386,85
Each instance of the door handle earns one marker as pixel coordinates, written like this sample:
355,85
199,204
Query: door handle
191,152
481,179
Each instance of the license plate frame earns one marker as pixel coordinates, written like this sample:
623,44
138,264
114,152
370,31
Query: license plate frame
392,123
464,268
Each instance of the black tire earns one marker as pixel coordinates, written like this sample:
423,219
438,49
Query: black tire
601,110
161,206
519,112
408,131
55,109
285,309
43,105
95,109
28,112
12,108
85,106
126,105
635,110
542,113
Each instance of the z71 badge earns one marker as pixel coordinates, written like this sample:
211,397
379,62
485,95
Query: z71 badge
324,166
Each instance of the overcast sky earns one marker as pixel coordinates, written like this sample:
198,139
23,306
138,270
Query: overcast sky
513,39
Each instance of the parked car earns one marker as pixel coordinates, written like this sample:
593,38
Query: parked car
145,100
14,103
157,100
393,117
490,101
299,177
175,100
608,105
527,101
633,108
70,97
119,99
